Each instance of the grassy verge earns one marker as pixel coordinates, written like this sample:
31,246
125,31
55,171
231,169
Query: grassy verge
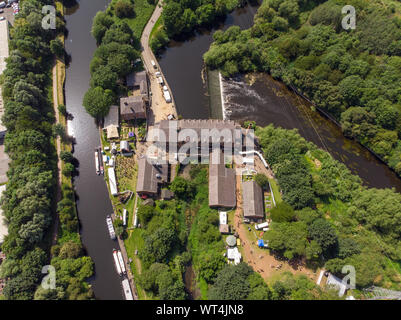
276,191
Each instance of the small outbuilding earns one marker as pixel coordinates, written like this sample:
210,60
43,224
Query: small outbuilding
231,241
111,123
224,229
252,201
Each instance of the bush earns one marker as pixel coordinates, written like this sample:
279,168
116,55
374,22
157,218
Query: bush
124,9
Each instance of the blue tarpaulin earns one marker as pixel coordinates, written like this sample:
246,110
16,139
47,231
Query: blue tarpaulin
261,243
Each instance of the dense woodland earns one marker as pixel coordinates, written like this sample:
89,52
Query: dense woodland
354,75
328,218
29,201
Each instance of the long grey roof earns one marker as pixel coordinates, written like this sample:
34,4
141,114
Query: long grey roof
222,190
252,200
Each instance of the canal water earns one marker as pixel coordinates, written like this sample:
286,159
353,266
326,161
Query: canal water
93,201
263,100
182,64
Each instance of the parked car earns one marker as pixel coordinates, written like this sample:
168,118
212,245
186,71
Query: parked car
2,18
1,10
2,4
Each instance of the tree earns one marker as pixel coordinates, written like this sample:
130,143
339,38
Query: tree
181,187
158,245
145,213
288,239
68,169
283,212
97,101
101,23
262,180
66,156
211,265
105,78
62,109
118,227
70,249
280,24
322,231
289,9
124,9
59,131
232,283
172,13
57,48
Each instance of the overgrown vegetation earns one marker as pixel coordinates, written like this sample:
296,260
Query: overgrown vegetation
341,223
353,75
113,60
183,17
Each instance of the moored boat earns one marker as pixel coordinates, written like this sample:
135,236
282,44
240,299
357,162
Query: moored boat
110,227
116,262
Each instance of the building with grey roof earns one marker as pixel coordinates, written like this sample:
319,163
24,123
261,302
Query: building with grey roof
252,200
222,189
133,107
151,175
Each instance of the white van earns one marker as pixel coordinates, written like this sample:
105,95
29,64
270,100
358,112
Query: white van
261,225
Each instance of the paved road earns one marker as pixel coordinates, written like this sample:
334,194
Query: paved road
160,109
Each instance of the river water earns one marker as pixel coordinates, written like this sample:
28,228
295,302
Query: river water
93,201
182,64
265,101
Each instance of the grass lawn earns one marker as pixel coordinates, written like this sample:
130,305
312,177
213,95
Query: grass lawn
143,12
276,191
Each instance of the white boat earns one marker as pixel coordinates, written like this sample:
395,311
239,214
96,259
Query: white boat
124,217
110,227
121,261
116,263
127,290
97,162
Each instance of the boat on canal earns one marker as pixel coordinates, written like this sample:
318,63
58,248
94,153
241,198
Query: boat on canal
110,226
127,290
117,263
97,162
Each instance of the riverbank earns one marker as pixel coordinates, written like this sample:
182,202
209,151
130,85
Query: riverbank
260,98
64,232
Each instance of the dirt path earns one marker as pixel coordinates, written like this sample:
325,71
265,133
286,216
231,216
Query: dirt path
58,146
160,109
260,259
